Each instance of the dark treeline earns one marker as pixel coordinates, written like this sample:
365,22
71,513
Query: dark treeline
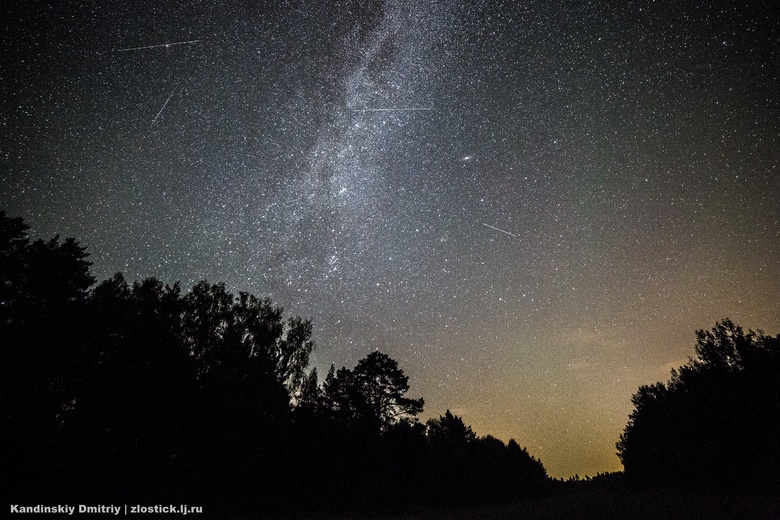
139,393
716,422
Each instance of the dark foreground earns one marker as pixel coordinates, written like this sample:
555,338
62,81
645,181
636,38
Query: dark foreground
593,504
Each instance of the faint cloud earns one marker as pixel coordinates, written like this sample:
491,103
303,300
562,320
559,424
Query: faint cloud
581,366
594,338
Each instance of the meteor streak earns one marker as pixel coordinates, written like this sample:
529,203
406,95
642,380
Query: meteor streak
158,45
414,109
501,230
163,107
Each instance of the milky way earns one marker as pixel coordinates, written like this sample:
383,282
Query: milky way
532,206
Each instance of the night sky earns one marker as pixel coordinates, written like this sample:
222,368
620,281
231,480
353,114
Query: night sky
530,205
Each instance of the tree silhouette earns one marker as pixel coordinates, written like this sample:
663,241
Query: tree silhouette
471,469
13,248
715,420
374,393
244,337
133,392
450,429
36,278
136,399
42,302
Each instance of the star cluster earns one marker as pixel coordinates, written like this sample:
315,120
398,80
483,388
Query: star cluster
530,205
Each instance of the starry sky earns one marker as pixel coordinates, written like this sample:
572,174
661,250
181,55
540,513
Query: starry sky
530,205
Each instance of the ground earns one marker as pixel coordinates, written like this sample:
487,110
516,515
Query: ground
592,504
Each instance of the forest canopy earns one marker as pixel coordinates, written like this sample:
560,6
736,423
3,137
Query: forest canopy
717,420
138,391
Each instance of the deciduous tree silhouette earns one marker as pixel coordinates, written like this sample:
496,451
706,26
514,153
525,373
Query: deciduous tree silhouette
36,278
134,392
716,418
137,396
245,337
43,290
450,429
13,249
249,362
468,468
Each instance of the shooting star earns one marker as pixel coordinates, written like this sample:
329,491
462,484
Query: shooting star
163,107
412,109
501,230
190,42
